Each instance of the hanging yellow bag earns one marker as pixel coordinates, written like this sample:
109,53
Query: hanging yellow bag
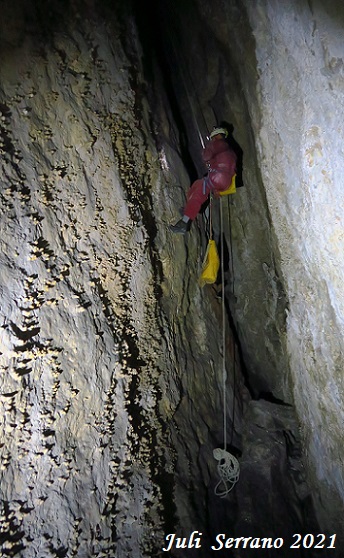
211,264
231,189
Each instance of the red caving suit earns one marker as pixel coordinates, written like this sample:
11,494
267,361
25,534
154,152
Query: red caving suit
221,162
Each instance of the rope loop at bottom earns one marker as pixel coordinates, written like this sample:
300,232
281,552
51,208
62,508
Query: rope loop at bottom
228,469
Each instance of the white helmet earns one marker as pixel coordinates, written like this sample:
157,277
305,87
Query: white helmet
217,131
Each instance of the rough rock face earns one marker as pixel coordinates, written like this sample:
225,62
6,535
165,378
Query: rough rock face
304,186
275,71
82,340
111,355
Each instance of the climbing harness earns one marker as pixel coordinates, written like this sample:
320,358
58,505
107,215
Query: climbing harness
228,466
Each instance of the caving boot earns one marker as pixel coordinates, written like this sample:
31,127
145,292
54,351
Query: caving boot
180,228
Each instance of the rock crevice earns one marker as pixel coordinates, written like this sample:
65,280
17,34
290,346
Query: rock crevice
111,354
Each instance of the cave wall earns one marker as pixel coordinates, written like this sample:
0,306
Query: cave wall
299,94
81,339
110,384
275,70
111,353
215,73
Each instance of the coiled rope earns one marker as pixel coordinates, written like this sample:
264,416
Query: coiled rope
228,467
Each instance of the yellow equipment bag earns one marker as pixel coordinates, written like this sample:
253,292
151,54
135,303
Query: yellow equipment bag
231,189
210,265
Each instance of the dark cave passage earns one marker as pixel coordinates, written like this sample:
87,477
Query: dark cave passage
116,385
162,32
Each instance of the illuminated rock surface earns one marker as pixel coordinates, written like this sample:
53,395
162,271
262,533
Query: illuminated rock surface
110,353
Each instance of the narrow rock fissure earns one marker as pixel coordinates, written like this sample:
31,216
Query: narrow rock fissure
111,354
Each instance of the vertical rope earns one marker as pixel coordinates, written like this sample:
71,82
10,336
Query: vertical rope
224,373
233,293
228,466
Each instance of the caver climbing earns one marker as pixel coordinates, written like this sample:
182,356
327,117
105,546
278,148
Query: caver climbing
221,162
220,180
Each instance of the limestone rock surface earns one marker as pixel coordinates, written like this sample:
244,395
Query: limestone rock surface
111,355
275,72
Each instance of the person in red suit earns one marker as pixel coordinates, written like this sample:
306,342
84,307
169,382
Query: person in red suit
221,162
